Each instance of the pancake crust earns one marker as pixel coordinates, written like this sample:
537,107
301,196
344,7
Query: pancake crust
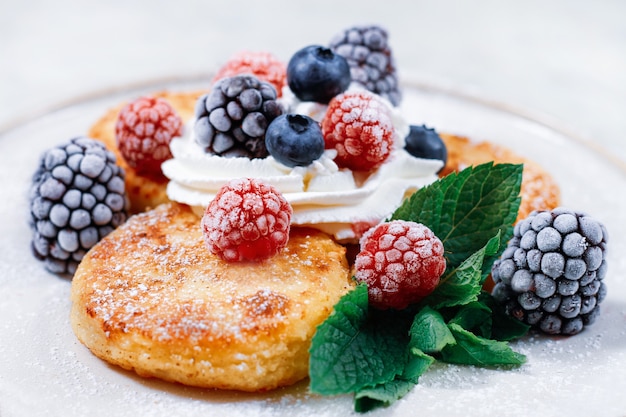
539,190
151,298
143,192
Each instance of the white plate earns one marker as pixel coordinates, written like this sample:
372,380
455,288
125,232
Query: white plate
45,371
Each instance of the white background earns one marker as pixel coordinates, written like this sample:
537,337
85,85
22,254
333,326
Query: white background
565,59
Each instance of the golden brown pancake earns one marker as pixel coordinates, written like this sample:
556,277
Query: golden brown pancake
143,192
151,298
539,190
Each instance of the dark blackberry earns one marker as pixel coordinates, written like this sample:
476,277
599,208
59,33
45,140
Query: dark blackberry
371,61
231,120
77,197
551,274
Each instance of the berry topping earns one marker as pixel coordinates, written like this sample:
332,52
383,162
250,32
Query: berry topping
294,140
144,130
370,58
231,120
359,126
247,220
316,73
551,274
77,198
401,262
263,65
424,142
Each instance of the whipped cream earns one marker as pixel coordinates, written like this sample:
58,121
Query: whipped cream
336,201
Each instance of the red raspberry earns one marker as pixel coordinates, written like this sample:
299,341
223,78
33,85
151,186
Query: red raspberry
143,133
263,65
359,126
401,262
247,220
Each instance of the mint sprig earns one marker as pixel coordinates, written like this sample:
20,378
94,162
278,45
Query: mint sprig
468,208
380,355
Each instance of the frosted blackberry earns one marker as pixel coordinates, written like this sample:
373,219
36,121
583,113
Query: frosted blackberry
551,274
77,197
371,61
231,120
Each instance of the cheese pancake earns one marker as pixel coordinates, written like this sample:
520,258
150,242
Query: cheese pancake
150,297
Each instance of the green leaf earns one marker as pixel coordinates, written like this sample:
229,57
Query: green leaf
503,326
429,332
474,350
381,395
463,284
357,347
475,317
417,364
468,208
385,394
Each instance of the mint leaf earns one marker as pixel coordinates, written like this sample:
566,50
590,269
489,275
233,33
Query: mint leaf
463,284
381,395
503,326
474,350
429,332
380,355
417,364
475,317
385,394
357,347
468,208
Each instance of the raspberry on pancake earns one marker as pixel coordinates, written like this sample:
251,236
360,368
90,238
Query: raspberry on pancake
143,191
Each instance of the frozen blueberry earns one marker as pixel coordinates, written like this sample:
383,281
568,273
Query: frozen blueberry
424,142
294,140
316,73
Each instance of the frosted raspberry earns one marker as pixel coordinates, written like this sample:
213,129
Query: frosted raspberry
359,126
143,133
247,220
401,263
264,65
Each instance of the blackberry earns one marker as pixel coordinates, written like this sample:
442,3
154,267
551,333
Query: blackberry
231,120
371,61
551,274
77,197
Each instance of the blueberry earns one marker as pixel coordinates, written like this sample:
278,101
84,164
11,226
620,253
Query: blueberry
316,73
294,140
424,142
